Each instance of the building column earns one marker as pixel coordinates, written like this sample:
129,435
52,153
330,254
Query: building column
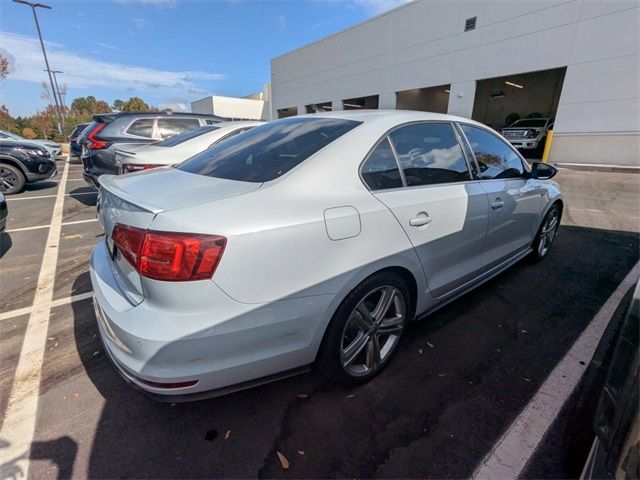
387,100
461,98
336,105
302,109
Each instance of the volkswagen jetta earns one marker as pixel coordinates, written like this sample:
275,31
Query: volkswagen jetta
310,240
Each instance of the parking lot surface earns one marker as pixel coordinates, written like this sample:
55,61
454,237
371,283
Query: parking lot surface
459,380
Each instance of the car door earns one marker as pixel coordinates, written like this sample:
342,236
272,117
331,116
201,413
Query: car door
443,211
514,198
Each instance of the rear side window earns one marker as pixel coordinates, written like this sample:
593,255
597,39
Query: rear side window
429,153
495,158
183,137
380,171
173,126
269,151
142,128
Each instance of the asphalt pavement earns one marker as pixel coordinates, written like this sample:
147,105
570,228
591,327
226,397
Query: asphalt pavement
460,377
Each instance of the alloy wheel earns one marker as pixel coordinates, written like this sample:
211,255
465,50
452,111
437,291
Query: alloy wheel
548,232
372,331
8,180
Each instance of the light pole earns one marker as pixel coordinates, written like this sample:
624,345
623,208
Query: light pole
46,61
55,81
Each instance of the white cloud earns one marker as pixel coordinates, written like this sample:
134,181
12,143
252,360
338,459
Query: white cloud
176,105
82,72
281,21
106,45
379,6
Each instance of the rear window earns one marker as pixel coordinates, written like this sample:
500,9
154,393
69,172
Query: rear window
183,137
269,151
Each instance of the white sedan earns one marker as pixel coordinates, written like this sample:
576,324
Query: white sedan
179,147
310,240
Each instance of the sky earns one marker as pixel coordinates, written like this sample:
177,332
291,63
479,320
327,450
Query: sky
168,52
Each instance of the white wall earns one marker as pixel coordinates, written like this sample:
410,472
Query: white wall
422,44
230,107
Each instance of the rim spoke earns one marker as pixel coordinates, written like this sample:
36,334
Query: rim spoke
373,353
385,301
391,326
365,320
354,349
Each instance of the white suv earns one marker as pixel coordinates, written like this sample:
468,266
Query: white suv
528,133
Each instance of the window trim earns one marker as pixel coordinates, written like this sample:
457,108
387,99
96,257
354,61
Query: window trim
525,166
452,123
154,120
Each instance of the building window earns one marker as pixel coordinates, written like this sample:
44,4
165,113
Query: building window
470,24
370,102
287,112
319,107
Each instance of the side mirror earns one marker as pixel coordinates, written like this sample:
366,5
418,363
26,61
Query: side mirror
543,171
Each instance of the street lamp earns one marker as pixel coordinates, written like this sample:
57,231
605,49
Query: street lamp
55,81
46,61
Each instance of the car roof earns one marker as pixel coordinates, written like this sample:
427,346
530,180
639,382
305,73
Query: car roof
114,115
401,116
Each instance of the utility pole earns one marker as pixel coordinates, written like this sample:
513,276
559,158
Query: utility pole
46,61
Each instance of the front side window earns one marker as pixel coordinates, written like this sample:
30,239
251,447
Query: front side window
173,126
495,158
429,153
380,171
141,128
268,151
183,137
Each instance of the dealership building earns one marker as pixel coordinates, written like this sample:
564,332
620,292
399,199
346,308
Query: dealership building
577,61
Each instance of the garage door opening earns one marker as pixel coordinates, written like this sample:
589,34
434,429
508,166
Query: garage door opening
319,107
502,101
431,99
370,102
287,112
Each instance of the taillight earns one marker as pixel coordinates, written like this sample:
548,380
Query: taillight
169,256
92,140
132,167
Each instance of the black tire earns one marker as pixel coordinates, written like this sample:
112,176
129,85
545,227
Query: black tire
539,251
11,179
341,327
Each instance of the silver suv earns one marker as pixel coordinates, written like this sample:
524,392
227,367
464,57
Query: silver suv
528,134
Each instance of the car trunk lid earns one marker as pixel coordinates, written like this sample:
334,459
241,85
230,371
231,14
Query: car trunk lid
134,200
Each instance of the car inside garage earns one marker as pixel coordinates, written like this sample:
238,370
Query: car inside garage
502,101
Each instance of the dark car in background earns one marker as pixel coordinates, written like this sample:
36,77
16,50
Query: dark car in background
126,129
75,149
23,162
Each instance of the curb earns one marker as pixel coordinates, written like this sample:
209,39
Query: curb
586,167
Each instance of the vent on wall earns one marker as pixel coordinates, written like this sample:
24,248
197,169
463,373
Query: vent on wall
470,24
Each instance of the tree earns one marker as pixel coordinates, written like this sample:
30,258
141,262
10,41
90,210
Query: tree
7,122
135,104
4,67
43,122
117,104
102,107
29,133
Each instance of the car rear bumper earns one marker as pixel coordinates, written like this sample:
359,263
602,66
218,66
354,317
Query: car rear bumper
222,344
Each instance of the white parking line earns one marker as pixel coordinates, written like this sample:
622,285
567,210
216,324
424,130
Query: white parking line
20,417
55,303
37,227
50,196
510,454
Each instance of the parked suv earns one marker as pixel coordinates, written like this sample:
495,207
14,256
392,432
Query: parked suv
54,148
528,134
127,129
75,149
23,162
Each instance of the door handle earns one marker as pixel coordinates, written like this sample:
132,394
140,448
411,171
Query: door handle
497,204
421,220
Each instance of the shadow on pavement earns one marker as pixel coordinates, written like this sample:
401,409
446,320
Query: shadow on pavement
38,186
85,196
458,380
